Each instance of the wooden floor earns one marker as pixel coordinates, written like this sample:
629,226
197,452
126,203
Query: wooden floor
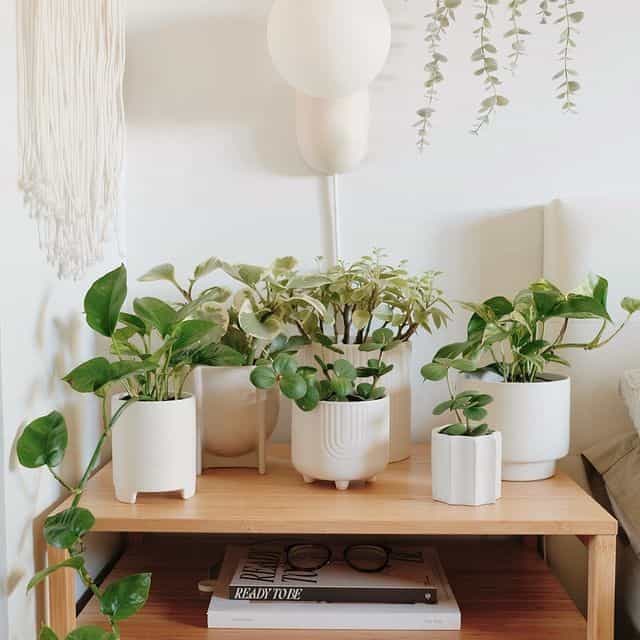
505,592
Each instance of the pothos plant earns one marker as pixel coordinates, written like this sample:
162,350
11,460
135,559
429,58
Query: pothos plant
155,347
255,318
523,335
485,55
467,406
370,294
339,381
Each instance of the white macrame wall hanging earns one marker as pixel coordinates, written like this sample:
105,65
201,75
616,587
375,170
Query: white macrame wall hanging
71,59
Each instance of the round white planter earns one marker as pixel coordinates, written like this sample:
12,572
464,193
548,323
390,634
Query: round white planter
398,385
534,419
466,470
341,441
230,409
154,448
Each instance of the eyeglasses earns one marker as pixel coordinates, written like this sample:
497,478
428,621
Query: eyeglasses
367,558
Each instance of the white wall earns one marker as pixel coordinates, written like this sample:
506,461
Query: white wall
212,168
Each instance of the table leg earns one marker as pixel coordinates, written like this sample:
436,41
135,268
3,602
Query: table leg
62,594
602,584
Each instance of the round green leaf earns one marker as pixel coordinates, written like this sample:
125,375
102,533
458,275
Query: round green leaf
475,413
630,305
285,365
434,371
480,430
382,336
64,529
342,387
482,400
344,369
104,300
125,597
89,633
311,398
454,430
43,442
371,346
263,377
439,409
47,633
293,386
462,364
264,329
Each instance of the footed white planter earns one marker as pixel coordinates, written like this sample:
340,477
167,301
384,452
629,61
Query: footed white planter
534,419
341,441
154,448
232,413
466,470
398,385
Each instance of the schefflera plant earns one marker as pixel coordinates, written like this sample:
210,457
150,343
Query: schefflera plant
370,294
258,316
468,407
151,368
339,381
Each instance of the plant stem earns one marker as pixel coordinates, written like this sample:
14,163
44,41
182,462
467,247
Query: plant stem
452,395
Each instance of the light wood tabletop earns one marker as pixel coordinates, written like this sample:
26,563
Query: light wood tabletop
241,501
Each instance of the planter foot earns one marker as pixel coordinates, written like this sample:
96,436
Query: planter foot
129,497
187,493
342,485
372,479
308,479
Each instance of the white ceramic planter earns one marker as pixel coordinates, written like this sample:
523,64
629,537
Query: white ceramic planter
534,419
341,441
230,409
398,385
154,448
466,470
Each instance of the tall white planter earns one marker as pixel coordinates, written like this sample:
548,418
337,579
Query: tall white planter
154,448
231,413
398,385
534,419
341,441
466,470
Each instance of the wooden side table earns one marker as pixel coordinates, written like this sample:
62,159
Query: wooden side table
505,590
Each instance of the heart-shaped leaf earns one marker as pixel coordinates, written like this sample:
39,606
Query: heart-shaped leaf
43,442
344,369
125,597
310,400
75,562
64,529
164,271
263,377
205,268
104,300
156,313
293,387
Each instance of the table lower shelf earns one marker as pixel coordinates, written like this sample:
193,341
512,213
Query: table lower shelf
504,589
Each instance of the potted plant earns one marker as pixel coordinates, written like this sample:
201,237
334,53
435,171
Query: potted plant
254,319
154,450
340,421
521,337
370,294
466,459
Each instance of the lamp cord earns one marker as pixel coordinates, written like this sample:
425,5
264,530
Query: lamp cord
336,252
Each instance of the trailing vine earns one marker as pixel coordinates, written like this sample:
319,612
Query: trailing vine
516,32
489,69
440,20
568,87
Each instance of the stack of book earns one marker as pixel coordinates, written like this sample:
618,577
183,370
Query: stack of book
256,589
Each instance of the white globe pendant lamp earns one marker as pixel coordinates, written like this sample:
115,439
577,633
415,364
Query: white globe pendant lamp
330,51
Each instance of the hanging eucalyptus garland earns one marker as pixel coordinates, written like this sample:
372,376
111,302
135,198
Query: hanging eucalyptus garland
440,20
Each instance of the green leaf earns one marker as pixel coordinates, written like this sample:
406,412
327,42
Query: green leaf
452,350
342,387
327,343
382,336
104,300
125,597
89,632
344,369
75,562
462,364
47,633
205,268
364,389
64,529
219,355
371,346
266,328
630,305
43,442
475,413
482,400
93,375
293,387
164,271
263,377
454,430
440,408
434,371
156,313
480,430
135,323
285,365
310,400
246,273
580,307
360,318
192,335
576,16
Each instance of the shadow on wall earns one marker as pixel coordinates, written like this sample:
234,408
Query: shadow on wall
213,71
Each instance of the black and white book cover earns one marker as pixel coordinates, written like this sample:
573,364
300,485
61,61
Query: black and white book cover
263,574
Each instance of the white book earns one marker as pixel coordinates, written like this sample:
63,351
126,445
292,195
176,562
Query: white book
224,613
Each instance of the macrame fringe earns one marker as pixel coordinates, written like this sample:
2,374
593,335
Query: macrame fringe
71,128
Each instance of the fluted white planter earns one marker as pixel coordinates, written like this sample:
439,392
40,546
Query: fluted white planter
154,448
231,410
341,441
466,470
398,385
534,419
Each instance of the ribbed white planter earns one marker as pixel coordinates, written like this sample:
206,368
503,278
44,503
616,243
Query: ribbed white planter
341,441
534,419
154,448
398,385
230,409
466,470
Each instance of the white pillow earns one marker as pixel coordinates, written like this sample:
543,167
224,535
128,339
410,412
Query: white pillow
630,391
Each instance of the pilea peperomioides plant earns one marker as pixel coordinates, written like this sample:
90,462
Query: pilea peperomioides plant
156,347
